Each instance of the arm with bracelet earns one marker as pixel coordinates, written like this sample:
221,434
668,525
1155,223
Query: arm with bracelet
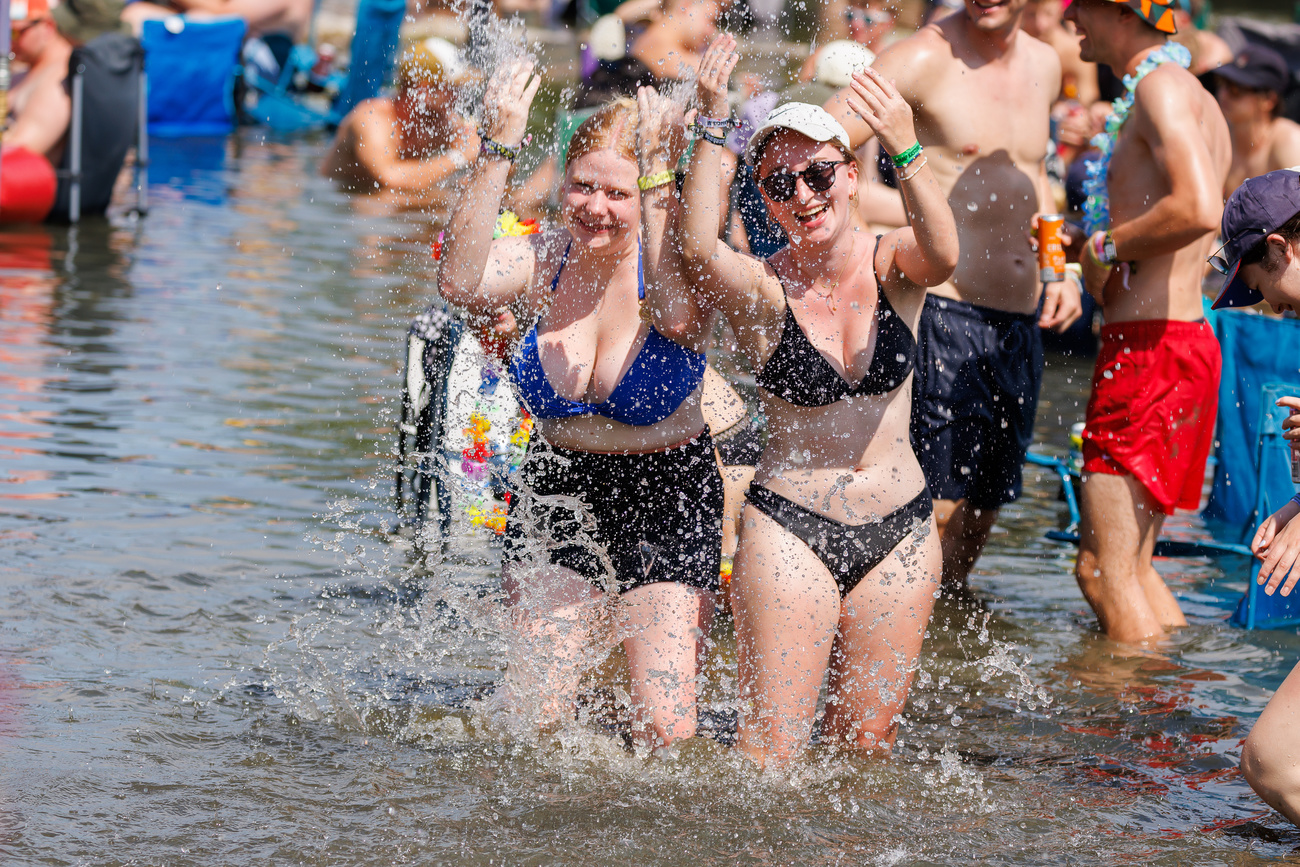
477,273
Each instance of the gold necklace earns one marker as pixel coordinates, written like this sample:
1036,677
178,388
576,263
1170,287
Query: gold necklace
831,288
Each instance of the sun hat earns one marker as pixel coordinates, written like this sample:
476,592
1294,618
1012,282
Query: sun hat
810,120
837,61
28,10
1257,67
1259,206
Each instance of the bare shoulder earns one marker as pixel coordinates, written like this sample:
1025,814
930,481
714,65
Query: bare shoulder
1286,144
1041,54
913,61
1170,95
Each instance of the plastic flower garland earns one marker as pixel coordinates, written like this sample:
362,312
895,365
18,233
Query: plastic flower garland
1096,208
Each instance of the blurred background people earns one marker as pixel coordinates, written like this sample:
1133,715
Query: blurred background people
1251,90
39,106
415,140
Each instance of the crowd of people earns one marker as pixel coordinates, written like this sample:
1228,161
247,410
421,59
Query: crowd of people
865,237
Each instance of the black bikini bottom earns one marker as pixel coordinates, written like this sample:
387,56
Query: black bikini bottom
849,551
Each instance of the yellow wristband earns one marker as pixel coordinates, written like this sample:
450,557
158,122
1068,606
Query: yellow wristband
649,182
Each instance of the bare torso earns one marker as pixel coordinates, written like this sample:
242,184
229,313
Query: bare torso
985,127
1164,286
1279,149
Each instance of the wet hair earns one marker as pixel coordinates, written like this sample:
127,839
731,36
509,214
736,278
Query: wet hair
1258,254
613,126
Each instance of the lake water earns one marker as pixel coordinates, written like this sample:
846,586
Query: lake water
212,651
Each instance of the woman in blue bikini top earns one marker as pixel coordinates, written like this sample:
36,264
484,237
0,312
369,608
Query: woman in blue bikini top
614,380
837,564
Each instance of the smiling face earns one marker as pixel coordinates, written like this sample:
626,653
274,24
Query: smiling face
995,14
809,216
602,206
1277,278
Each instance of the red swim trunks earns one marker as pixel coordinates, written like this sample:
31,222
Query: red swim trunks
1155,392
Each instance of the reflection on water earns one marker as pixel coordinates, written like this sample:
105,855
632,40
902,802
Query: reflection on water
213,652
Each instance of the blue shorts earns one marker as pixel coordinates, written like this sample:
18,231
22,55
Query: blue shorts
974,399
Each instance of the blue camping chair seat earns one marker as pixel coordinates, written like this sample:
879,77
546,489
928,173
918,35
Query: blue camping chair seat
192,67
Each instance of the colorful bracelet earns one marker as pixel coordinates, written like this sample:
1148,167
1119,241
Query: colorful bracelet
494,148
1103,250
907,156
1296,499
716,122
658,179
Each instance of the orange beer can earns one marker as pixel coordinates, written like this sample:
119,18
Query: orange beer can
1051,252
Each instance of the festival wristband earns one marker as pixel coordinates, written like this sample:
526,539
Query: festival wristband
716,122
494,148
658,179
1296,499
902,159
1102,248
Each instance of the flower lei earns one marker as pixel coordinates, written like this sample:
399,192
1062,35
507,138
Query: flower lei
1096,208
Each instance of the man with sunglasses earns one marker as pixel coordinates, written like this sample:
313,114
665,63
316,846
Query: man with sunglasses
39,106
981,90
1153,206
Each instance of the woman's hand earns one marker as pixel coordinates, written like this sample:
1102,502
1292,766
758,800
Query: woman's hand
661,133
506,101
1277,545
883,108
715,71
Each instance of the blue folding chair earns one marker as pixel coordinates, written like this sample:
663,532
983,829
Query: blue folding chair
192,69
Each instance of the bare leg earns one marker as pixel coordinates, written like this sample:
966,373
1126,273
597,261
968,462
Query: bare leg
963,532
669,623
786,606
1117,533
881,631
562,630
735,481
1270,760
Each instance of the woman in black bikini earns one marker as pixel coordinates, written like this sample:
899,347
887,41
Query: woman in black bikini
838,565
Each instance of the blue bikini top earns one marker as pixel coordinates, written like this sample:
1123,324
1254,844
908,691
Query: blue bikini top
662,375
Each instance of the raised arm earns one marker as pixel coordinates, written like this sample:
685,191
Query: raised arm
676,311
728,281
374,152
477,273
925,252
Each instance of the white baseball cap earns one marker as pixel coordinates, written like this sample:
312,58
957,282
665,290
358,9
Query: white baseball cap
838,60
810,120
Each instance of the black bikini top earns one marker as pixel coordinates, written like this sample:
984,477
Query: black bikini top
797,373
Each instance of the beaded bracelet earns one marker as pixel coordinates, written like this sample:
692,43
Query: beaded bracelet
913,172
716,122
658,179
495,148
702,133
907,156
1296,499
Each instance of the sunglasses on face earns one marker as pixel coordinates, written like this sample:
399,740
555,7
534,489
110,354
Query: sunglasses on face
819,176
18,28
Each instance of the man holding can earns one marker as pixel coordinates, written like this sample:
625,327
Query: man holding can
1154,200
982,90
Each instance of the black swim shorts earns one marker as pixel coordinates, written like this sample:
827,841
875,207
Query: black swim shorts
741,445
658,516
974,399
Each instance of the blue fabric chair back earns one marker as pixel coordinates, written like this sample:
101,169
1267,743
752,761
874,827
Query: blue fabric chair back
374,45
1258,351
192,75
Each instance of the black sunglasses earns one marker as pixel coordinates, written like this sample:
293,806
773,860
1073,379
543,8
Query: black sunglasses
819,176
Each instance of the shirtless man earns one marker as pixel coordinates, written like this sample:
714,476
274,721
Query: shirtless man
671,47
414,141
1250,91
39,103
1150,421
981,89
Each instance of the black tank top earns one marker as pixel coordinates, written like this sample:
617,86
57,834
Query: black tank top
797,373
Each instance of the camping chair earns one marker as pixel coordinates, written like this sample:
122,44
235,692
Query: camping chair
431,345
192,66
1261,362
106,77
